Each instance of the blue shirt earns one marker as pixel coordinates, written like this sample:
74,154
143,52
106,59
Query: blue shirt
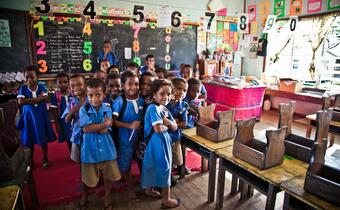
203,90
110,57
154,116
76,130
179,111
192,120
143,69
96,147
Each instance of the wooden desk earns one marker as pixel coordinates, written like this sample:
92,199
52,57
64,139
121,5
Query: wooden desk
334,127
9,198
206,149
265,181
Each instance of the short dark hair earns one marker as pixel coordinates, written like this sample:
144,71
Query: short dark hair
95,83
161,70
158,84
193,81
62,74
31,68
112,76
76,76
106,42
149,56
127,74
133,65
176,81
148,73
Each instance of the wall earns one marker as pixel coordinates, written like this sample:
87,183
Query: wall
253,66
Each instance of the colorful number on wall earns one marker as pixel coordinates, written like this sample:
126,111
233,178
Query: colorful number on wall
41,50
40,26
42,66
167,39
87,65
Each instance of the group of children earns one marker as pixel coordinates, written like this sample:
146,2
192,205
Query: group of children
112,119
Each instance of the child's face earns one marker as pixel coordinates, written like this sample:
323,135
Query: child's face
114,87
101,75
106,47
114,71
134,69
145,85
104,66
31,78
95,96
131,87
77,86
163,95
194,91
160,75
180,91
62,83
186,73
150,62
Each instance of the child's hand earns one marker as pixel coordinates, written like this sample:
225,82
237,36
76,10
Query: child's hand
75,109
104,131
135,125
108,122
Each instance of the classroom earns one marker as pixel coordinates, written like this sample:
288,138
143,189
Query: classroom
159,104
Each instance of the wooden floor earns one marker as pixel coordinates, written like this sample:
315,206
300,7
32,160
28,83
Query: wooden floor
193,189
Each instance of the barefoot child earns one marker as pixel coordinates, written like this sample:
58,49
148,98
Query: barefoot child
98,153
157,160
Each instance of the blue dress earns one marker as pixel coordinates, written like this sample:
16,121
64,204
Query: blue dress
34,122
96,147
179,111
134,111
192,120
61,102
157,159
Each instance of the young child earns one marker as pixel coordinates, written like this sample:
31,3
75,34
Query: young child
104,65
113,86
150,64
132,66
34,122
186,71
101,75
146,80
203,91
71,113
98,153
193,101
157,160
59,101
113,69
127,116
107,54
178,109
161,73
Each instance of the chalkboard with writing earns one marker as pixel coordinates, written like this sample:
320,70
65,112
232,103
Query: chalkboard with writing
14,48
75,47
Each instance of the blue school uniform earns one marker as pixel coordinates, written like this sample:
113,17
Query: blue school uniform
179,110
134,111
192,120
34,122
157,159
76,130
61,102
96,147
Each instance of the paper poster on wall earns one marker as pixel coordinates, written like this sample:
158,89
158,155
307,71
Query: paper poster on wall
222,12
279,8
127,52
264,11
242,23
295,7
252,13
163,16
333,4
314,6
270,23
5,35
253,28
233,27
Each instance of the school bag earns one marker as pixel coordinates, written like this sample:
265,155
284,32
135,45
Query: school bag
115,130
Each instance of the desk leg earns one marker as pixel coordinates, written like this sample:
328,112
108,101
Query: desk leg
220,186
182,172
203,165
309,129
234,182
331,139
212,177
286,202
243,187
250,191
271,197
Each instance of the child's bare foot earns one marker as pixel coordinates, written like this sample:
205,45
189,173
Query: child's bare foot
171,203
152,193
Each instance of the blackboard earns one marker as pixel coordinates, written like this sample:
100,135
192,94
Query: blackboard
17,56
65,45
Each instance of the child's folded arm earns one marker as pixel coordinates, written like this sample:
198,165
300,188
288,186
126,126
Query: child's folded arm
98,128
181,124
23,101
172,125
159,128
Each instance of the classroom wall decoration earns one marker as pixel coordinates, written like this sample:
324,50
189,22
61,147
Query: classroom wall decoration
333,4
279,7
314,6
5,35
295,7
252,13
264,11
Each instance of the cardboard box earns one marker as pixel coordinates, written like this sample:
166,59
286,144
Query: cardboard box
289,85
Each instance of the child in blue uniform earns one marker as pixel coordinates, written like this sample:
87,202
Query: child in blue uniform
59,101
114,87
71,113
193,101
127,116
179,110
34,122
98,153
157,159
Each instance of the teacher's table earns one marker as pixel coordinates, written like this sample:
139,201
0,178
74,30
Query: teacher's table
206,149
247,101
265,181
